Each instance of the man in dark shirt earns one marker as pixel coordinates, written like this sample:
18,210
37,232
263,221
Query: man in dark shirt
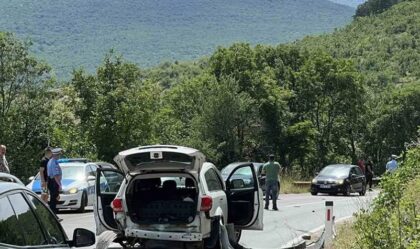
369,173
43,173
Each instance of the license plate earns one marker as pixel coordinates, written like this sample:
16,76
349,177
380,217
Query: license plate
324,186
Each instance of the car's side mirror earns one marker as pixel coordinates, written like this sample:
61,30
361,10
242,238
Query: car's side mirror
83,237
31,178
237,183
91,178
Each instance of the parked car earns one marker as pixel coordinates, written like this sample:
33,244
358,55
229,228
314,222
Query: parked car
170,195
26,222
339,178
78,183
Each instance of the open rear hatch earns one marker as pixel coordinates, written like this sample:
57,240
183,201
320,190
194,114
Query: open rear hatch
160,158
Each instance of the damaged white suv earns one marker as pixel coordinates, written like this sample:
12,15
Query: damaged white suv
169,196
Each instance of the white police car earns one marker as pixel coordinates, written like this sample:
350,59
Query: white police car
78,183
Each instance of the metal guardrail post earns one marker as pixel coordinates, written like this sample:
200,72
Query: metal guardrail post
329,222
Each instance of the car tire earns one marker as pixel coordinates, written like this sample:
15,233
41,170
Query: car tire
314,193
363,192
347,190
83,203
238,234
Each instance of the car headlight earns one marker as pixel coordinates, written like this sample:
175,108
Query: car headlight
340,182
73,191
314,180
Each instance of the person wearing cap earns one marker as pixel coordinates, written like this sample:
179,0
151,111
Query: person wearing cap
43,173
4,166
54,178
272,170
392,164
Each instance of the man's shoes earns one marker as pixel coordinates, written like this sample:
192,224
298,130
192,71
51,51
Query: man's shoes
266,208
275,208
370,189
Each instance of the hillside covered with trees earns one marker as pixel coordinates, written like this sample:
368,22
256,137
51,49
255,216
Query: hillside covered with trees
77,33
325,99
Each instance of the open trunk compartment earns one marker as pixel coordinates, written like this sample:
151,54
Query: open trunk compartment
162,200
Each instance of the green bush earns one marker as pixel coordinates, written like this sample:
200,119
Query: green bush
394,221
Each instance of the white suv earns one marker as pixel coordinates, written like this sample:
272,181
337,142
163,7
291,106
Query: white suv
169,195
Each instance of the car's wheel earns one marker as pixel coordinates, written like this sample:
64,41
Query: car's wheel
363,192
347,191
238,233
314,193
83,203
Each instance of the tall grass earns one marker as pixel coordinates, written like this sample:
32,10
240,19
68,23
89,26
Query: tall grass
287,186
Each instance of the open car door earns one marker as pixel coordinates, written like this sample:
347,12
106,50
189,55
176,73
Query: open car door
245,199
108,182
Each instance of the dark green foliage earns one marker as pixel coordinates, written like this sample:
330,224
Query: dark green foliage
24,104
372,7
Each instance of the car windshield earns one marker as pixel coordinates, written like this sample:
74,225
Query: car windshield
335,171
73,172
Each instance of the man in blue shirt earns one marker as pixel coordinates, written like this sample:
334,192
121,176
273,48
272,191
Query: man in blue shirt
54,178
392,165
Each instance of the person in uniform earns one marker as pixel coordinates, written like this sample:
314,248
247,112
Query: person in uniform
54,178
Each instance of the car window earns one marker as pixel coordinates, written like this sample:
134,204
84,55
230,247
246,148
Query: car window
27,221
48,221
213,181
358,171
242,178
10,230
110,182
92,170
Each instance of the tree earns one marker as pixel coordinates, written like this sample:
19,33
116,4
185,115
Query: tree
24,104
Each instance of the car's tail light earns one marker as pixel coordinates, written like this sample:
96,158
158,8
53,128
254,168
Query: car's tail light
206,203
117,205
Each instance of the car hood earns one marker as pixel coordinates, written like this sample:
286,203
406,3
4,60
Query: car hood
35,185
159,158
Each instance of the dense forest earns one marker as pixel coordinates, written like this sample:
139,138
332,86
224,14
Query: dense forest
77,33
324,99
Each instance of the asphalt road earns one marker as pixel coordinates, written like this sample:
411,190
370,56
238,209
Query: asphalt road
298,214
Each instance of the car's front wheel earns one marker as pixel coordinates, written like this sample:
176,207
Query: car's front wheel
347,190
83,203
363,192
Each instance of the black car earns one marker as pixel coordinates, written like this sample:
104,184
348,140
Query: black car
339,178
26,222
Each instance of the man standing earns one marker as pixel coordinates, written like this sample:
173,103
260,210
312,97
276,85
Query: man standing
4,166
54,178
43,173
392,164
272,171
369,173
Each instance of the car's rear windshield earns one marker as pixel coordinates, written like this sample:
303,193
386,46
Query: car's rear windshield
152,157
335,171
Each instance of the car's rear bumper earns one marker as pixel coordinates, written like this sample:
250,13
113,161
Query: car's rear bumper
332,188
159,235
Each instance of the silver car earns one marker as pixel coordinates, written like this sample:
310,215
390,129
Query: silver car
170,196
